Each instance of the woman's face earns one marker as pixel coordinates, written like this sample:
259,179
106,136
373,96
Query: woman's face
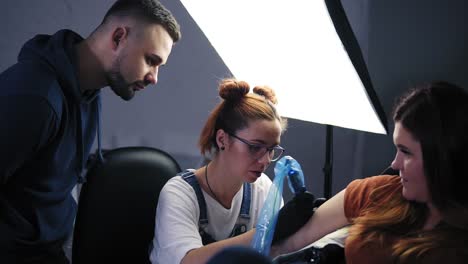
409,161
244,146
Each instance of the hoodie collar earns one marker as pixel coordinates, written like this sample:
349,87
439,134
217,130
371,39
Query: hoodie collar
58,51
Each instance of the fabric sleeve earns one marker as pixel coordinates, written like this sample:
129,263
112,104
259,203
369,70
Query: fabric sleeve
27,123
357,195
176,229
456,255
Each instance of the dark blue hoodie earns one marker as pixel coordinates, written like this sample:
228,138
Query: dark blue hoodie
47,128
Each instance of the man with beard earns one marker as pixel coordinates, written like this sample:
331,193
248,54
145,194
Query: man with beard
49,112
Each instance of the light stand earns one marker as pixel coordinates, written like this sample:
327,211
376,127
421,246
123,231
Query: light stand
328,165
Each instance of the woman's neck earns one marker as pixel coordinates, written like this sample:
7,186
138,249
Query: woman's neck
220,183
433,218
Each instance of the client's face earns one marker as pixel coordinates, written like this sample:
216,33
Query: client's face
409,161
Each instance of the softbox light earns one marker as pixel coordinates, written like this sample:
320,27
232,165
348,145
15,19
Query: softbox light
295,47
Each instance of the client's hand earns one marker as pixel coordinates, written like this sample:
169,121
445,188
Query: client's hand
294,215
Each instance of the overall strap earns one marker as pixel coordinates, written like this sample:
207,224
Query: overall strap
244,215
189,177
246,199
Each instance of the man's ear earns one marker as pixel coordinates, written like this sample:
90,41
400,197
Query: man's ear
118,36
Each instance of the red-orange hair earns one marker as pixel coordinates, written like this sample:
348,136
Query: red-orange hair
237,108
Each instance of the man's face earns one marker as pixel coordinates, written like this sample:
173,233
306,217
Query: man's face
138,59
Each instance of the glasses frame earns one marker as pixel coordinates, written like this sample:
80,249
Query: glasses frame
268,149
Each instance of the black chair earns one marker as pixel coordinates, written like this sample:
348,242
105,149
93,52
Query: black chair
117,206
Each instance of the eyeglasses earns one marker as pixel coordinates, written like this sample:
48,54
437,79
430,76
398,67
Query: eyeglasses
258,150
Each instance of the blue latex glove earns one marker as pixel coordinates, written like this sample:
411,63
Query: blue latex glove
265,228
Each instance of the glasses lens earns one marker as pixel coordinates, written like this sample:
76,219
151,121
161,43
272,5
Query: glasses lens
276,153
257,151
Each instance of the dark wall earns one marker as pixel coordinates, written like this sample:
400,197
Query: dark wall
403,42
410,42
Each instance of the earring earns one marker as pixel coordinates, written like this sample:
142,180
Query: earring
222,148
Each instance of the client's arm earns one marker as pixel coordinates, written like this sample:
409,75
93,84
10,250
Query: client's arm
327,218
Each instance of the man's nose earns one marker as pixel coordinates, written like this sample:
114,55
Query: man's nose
152,77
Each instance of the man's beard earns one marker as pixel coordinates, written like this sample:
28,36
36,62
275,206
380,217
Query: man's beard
118,84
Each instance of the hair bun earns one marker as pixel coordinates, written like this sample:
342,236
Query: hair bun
233,90
266,92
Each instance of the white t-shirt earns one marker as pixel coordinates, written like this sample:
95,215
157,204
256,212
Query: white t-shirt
177,216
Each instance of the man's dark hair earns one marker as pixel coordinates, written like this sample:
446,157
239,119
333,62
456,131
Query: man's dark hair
151,11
